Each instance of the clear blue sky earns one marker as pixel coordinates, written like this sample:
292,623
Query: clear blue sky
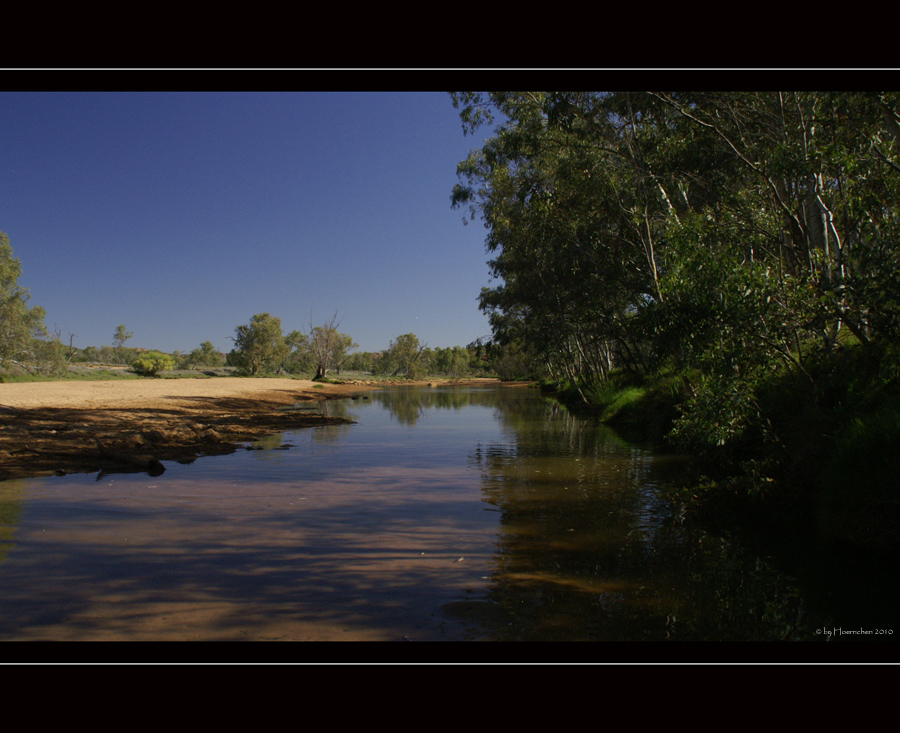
183,214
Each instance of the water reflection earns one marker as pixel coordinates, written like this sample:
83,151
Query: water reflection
443,513
408,404
587,549
331,408
10,513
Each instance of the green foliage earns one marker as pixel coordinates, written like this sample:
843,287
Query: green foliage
120,336
152,363
361,361
512,361
323,349
300,358
259,346
405,357
23,336
103,354
207,355
49,357
449,362
747,238
327,347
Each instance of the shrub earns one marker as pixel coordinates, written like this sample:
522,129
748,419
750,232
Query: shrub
153,362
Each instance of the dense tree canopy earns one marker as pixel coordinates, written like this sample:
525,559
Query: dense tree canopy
734,235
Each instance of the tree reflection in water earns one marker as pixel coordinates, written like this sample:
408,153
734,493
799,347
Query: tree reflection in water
450,512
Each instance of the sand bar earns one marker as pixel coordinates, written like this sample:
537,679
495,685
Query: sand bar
135,424
86,426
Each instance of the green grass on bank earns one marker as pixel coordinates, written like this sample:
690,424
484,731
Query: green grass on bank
641,410
822,448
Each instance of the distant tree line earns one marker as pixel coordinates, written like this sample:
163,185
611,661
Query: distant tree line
27,347
206,355
261,347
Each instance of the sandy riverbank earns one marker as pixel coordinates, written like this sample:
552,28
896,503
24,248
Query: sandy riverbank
72,426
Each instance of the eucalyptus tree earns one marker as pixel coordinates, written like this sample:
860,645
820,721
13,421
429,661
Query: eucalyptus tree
458,361
120,336
774,213
330,348
324,347
22,327
259,346
405,356
817,196
747,239
785,244
572,234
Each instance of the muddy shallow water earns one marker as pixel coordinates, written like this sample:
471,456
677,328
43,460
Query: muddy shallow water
452,513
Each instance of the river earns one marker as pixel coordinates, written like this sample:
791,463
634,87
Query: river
443,514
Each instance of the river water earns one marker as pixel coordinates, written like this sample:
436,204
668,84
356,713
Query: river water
448,513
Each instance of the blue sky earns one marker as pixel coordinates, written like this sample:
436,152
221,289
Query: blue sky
183,214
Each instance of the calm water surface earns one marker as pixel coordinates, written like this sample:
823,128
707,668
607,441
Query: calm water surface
447,513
